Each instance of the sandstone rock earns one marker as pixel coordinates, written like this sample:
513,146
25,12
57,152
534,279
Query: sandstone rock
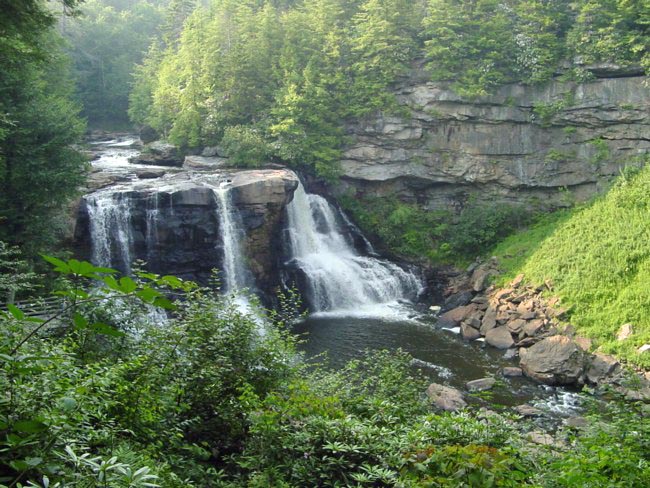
601,367
204,162
528,315
446,397
516,326
643,349
468,332
499,337
489,320
541,438
480,384
517,281
556,360
481,277
624,332
528,411
584,342
512,372
454,317
533,328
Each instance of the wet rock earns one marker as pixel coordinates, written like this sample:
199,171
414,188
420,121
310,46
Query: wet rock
556,360
624,332
454,317
512,372
446,397
456,300
499,337
468,332
601,367
480,384
511,353
148,174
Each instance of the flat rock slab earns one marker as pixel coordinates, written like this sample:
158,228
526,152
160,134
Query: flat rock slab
556,360
446,397
512,371
481,384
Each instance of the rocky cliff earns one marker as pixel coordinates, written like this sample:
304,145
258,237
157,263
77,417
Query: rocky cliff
547,144
170,218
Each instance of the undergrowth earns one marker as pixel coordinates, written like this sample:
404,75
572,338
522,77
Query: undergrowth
598,259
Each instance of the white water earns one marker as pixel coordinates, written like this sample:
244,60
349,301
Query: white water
339,279
237,278
109,214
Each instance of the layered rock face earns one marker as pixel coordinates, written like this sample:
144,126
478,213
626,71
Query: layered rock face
172,221
524,144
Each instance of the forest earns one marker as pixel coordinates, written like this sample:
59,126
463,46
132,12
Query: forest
96,393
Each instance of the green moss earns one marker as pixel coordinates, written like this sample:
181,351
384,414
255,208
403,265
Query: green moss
598,258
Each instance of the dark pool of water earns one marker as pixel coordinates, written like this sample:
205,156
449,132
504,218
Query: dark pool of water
441,355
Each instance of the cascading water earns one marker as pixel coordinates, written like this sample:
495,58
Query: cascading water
109,214
338,278
237,278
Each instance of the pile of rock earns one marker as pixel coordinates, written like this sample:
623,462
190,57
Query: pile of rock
517,318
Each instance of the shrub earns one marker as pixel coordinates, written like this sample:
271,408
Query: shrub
245,147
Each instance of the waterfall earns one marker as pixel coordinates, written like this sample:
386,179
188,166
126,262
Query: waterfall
236,274
338,278
109,214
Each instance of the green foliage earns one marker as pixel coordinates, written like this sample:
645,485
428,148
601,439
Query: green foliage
598,261
416,233
207,400
485,43
39,169
105,43
245,147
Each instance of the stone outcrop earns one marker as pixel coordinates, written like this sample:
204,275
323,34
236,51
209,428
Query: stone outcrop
522,144
175,226
159,153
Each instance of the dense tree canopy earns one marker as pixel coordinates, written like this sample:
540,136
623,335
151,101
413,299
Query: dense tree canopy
293,72
39,170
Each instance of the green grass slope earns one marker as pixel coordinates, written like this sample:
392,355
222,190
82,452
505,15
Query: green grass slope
598,258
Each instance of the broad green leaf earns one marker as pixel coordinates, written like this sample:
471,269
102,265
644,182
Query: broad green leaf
165,303
127,285
148,294
17,313
29,426
80,322
59,265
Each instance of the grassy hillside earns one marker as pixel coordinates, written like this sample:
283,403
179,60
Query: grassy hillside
598,258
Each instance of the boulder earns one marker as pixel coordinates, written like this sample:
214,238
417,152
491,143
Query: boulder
468,332
512,372
446,397
602,367
159,153
456,300
528,411
624,332
204,162
533,328
454,317
556,360
480,384
499,337
489,320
